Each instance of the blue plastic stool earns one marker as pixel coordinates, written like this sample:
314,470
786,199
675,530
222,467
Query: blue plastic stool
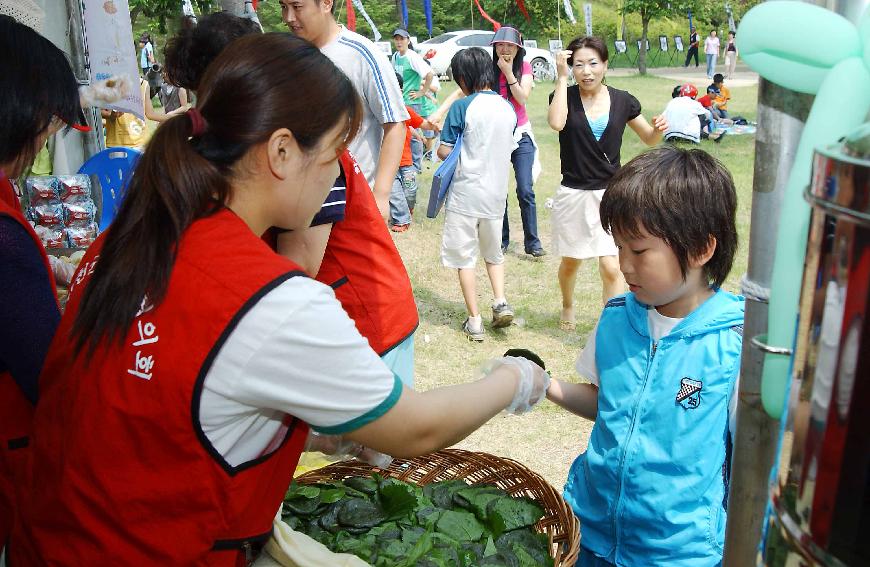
113,167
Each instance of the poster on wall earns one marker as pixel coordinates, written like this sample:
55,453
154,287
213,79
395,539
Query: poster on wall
109,37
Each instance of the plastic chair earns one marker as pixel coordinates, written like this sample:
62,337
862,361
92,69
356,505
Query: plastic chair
113,167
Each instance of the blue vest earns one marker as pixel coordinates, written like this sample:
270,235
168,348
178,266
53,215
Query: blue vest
651,488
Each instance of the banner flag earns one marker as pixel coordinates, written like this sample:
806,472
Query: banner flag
569,12
427,8
495,24
368,19
351,17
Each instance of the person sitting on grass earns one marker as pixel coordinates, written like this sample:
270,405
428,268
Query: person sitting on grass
475,204
722,95
663,362
688,121
403,196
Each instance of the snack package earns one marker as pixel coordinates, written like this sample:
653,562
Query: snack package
79,213
80,236
42,191
52,237
46,214
74,188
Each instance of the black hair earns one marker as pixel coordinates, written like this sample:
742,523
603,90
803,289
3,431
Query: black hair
472,70
718,78
188,54
36,85
516,67
259,84
401,81
590,42
676,92
685,197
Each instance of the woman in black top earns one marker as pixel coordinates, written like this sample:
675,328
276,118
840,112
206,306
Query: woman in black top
590,118
730,55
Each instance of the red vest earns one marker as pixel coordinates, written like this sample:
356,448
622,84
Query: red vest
16,411
122,472
364,268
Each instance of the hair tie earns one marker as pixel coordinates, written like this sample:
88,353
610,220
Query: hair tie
197,122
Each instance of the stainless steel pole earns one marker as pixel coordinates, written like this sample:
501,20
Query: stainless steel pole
781,116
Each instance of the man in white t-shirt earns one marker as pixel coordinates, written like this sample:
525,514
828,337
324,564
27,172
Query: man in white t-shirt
685,116
378,145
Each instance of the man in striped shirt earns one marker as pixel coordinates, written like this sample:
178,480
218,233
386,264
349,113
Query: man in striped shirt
378,146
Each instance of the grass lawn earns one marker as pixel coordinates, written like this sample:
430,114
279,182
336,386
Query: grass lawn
548,438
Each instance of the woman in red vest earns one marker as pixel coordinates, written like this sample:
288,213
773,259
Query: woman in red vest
35,105
347,246
192,360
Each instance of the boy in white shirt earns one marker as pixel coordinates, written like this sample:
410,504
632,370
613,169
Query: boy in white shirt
475,205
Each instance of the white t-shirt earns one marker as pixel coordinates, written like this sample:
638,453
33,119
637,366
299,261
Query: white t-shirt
659,326
294,352
480,184
373,77
711,46
682,115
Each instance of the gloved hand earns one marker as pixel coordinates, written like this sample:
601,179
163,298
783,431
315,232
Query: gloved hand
344,449
531,386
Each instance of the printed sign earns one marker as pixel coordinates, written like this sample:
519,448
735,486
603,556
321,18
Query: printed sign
555,45
620,46
385,46
678,42
530,43
663,42
111,49
587,15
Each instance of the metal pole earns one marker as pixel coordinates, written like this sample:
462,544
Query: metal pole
92,141
781,116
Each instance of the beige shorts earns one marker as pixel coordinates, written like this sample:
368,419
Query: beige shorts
465,235
577,230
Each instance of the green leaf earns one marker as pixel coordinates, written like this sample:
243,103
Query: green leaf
490,548
508,514
397,500
460,525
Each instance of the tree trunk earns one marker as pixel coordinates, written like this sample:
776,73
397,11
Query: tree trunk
641,54
134,13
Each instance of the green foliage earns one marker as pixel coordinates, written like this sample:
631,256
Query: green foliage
387,522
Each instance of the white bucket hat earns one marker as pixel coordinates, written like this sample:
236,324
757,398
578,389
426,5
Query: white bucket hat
26,12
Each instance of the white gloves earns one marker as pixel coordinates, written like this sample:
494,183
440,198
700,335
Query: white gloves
531,386
343,449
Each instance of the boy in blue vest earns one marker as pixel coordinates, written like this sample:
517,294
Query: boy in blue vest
663,361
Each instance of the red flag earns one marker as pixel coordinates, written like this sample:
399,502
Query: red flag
495,24
351,16
522,6
254,3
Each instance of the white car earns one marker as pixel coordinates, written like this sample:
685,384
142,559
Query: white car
439,51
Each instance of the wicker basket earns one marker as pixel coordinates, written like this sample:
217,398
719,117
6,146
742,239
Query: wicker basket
559,522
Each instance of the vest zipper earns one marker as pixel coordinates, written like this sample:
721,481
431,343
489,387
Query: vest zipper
618,500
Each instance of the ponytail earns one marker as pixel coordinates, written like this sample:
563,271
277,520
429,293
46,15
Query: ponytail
269,82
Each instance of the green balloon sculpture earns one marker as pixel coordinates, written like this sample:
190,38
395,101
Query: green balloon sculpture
811,50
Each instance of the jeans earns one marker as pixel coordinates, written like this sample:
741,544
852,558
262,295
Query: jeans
711,64
417,147
523,157
403,195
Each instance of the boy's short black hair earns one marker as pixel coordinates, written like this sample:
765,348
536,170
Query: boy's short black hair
676,92
472,68
683,196
718,78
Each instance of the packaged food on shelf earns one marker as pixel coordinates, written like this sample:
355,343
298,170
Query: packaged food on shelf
80,236
42,190
74,188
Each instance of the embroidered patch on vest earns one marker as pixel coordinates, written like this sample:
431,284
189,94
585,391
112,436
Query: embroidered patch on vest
689,395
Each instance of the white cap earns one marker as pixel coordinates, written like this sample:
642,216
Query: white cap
26,12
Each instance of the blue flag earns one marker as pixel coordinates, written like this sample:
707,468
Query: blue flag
404,14
427,7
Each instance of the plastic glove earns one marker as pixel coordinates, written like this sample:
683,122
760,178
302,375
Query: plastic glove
531,386
343,449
